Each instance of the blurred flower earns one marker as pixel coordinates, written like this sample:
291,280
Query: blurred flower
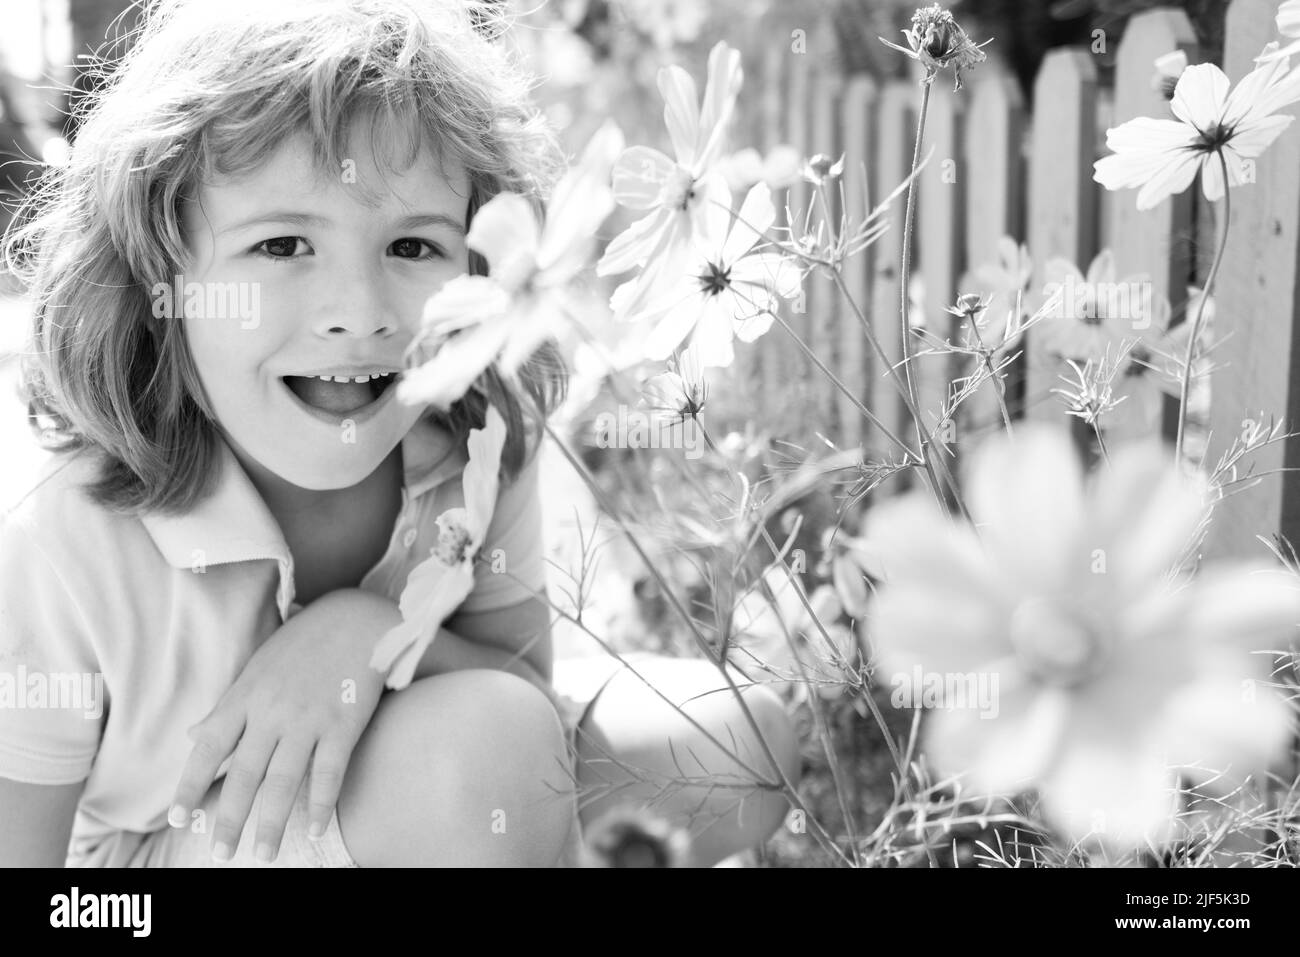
937,41
628,837
473,321
821,167
780,168
1154,370
678,394
720,288
1114,671
852,562
777,639
678,194
1169,68
438,585
1096,313
1163,156
970,306
1009,276
1288,24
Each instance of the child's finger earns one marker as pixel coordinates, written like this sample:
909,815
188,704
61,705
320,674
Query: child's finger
284,778
243,778
214,739
329,764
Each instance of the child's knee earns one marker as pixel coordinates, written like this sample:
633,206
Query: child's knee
464,768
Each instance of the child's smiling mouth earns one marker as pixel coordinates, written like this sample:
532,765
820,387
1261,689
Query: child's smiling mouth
340,394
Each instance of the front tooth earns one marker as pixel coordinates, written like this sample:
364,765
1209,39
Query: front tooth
362,378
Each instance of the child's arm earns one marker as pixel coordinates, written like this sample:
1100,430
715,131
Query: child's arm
308,693
36,822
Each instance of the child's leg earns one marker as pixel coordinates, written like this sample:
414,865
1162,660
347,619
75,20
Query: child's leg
454,770
631,725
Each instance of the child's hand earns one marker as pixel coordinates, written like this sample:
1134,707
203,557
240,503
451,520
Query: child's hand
303,698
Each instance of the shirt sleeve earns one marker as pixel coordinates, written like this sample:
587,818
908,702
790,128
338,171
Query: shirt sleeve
51,691
512,565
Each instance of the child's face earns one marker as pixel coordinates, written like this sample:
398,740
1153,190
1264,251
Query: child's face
301,275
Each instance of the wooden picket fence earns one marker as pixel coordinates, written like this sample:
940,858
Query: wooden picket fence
998,169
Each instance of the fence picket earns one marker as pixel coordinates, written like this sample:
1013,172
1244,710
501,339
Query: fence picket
1156,242
893,159
1256,290
995,129
1062,196
857,112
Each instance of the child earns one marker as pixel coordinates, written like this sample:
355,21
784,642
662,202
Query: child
226,278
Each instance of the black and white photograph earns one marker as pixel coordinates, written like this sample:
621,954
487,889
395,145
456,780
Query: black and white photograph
764,434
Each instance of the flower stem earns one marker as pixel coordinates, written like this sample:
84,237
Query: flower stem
905,266
1186,384
891,372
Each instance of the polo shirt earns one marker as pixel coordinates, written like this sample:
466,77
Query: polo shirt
162,613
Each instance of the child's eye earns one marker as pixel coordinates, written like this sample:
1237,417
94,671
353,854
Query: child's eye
281,247
409,248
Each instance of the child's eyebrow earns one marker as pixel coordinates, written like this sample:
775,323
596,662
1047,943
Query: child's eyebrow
414,221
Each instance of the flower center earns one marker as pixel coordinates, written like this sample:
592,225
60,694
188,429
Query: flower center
716,280
453,543
679,190
1054,644
1214,138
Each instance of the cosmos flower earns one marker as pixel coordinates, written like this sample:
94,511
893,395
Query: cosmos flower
473,321
1162,157
1096,313
1116,671
721,288
676,193
678,394
936,41
437,586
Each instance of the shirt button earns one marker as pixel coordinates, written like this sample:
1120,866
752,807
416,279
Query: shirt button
409,538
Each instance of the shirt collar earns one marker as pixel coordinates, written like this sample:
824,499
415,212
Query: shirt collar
233,523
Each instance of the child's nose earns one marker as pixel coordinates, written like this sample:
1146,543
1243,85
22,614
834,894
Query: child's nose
356,303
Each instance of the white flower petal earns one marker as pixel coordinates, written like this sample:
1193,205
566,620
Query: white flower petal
669,332
639,176
433,591
481,477
1026,496
1227,727
681,112
1255,136
504,231
636,244
1173,177
463,302
754,219
720,92
1200,95
1006,753
1111,788
459,361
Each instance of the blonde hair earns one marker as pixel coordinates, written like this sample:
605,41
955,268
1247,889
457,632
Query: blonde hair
214,87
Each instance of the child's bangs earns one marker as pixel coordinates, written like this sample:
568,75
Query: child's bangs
394,126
